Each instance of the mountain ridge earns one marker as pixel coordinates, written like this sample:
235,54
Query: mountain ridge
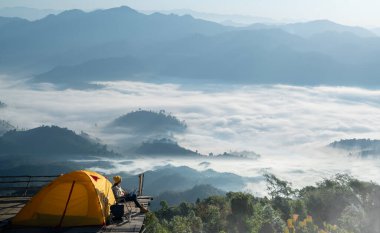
27,13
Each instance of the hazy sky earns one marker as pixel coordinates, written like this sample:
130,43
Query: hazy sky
352,12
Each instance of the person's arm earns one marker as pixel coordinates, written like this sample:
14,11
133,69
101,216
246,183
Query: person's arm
122,192
118,191
125,192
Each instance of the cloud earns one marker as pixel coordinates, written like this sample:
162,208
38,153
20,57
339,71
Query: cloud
287,125
301,170
267,119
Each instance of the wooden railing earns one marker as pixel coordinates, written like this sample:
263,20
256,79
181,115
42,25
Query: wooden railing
27,186
22,186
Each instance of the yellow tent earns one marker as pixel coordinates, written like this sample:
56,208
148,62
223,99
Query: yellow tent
80,198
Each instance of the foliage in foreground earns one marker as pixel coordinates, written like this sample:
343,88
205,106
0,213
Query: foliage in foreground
338,205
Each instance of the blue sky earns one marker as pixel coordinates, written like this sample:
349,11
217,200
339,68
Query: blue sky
352,12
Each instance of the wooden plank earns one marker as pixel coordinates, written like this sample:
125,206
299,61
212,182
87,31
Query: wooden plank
4,200
9,207
145,197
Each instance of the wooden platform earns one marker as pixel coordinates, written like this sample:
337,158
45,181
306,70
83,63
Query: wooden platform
10,206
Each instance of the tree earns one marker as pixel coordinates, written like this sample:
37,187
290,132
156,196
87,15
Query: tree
327,201
266,228
353,219
214,221
195,222
241,210
277,187
241,203
152,224
180,224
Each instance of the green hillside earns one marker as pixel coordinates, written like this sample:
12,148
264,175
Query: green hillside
48,141
148,122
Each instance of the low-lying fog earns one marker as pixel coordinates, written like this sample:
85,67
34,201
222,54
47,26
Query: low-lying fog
288,125
299,169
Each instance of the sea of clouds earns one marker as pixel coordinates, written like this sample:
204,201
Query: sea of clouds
300,170
288,125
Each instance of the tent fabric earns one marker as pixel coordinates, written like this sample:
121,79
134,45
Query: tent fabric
79,198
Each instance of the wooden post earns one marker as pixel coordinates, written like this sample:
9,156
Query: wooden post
27,186
141,184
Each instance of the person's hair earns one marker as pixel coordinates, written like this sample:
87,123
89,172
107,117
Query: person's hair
117,179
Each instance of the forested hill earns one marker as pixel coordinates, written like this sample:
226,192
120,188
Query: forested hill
148,122
48,141
361,147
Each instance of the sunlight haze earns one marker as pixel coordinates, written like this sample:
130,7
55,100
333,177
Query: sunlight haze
351,12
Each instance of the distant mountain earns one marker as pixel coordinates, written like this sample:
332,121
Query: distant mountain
2,105
5,127
119,68
190,196
233,155
360,147
37,168
311,28
163,147
115,32
46,141
148,123
179,179
51,165
26,12
267,56
5,21
233,19
123,44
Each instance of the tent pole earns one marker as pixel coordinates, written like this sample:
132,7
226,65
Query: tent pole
67,203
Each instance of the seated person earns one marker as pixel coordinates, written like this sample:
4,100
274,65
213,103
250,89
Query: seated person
122,195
